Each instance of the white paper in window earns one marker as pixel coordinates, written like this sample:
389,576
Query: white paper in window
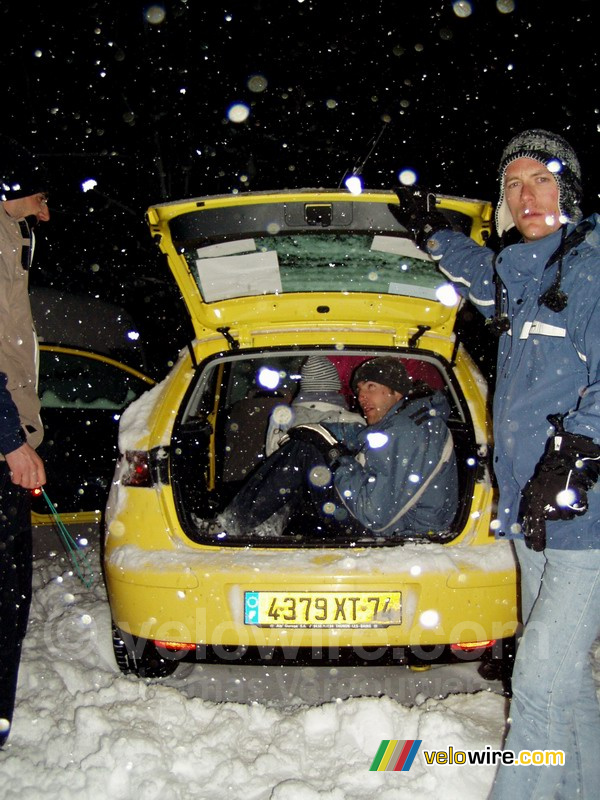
227,248
412,290
224,277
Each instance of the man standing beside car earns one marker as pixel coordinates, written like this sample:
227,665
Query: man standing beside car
541,295
23,203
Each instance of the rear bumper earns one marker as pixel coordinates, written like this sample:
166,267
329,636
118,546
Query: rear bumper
331,655
197,595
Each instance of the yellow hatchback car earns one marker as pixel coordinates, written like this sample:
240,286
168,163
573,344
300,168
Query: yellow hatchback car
270,278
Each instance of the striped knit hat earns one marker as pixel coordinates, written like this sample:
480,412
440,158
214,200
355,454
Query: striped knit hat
558,156
318,374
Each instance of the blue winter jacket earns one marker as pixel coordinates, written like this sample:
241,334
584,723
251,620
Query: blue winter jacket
11,435
548,362
402,478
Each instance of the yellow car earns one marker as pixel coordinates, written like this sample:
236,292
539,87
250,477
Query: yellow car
269,278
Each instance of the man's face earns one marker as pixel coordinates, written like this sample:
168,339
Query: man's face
531,193
35,205
375,399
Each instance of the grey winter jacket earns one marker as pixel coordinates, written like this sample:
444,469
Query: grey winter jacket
402,478
324,407
548,362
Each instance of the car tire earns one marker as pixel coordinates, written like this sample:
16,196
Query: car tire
144,661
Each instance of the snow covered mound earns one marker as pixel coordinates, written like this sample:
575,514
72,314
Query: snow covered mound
83,731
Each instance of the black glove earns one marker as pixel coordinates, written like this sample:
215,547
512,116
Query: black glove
417,213
570,465
322,439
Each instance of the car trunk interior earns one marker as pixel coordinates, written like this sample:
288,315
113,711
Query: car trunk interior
219,436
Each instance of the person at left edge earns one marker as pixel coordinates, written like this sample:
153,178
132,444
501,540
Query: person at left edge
24,203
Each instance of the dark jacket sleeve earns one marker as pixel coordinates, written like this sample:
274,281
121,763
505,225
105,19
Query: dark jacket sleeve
11,434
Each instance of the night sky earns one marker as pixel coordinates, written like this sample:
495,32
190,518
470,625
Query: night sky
137,97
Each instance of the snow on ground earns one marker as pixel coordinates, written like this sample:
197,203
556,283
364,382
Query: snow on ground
83,731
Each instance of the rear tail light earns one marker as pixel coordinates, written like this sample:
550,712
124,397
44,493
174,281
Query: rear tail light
146,467
469,646
167,645
137,470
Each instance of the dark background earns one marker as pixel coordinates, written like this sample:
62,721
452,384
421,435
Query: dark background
136,96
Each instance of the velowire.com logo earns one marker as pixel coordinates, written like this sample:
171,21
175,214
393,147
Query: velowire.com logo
395,755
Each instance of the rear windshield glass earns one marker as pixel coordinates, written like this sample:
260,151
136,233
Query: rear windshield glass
313,262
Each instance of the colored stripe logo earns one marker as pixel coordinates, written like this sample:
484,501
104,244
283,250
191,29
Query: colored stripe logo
395,755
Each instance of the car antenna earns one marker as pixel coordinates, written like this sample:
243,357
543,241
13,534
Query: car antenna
359,166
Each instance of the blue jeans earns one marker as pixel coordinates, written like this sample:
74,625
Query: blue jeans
554,704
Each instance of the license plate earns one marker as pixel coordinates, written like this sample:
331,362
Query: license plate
323,609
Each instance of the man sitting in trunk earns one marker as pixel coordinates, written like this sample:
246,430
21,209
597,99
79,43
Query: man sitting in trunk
395,476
